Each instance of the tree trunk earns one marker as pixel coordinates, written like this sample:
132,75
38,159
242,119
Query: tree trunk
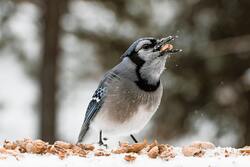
53,11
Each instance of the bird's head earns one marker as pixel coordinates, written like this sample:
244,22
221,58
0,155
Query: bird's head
149,56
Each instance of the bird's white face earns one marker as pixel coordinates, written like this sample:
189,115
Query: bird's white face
154,53
148,56
154,63
150,48
145,50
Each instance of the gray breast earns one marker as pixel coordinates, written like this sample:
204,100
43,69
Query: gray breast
124,99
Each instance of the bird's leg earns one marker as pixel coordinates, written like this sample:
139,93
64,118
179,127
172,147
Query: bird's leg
134,139
100,140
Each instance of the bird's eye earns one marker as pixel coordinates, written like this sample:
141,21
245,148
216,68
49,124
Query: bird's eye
146,46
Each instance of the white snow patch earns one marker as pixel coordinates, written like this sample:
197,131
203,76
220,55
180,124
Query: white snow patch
209,160
72,111
17,93
206,130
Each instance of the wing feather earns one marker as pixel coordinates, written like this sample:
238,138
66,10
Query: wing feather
96,103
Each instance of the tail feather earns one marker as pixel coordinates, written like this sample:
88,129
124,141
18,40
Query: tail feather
84,129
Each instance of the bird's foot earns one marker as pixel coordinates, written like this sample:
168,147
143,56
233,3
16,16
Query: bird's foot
102,144
100,140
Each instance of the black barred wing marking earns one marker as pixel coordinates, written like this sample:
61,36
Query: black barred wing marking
95,103
99,96
93,107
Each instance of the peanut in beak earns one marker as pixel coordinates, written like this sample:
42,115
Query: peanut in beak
166,47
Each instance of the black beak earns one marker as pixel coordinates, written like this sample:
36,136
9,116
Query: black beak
162,45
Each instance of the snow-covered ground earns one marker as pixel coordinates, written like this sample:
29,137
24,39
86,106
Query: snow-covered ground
215,157
17,97
30,160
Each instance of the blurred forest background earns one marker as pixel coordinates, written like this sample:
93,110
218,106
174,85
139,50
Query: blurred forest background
54,52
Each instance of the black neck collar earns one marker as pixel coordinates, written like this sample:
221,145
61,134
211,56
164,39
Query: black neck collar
142,83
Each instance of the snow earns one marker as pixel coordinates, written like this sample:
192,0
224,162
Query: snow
17,92
209,160
72,110
203,125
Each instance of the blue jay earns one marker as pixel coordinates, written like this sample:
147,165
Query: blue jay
130,93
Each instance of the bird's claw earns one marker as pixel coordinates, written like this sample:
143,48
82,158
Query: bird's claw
102,144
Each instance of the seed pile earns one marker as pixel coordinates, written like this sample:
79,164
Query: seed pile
130,151
62,149
153,150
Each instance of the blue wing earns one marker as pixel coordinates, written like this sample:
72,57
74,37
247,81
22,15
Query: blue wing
95,103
